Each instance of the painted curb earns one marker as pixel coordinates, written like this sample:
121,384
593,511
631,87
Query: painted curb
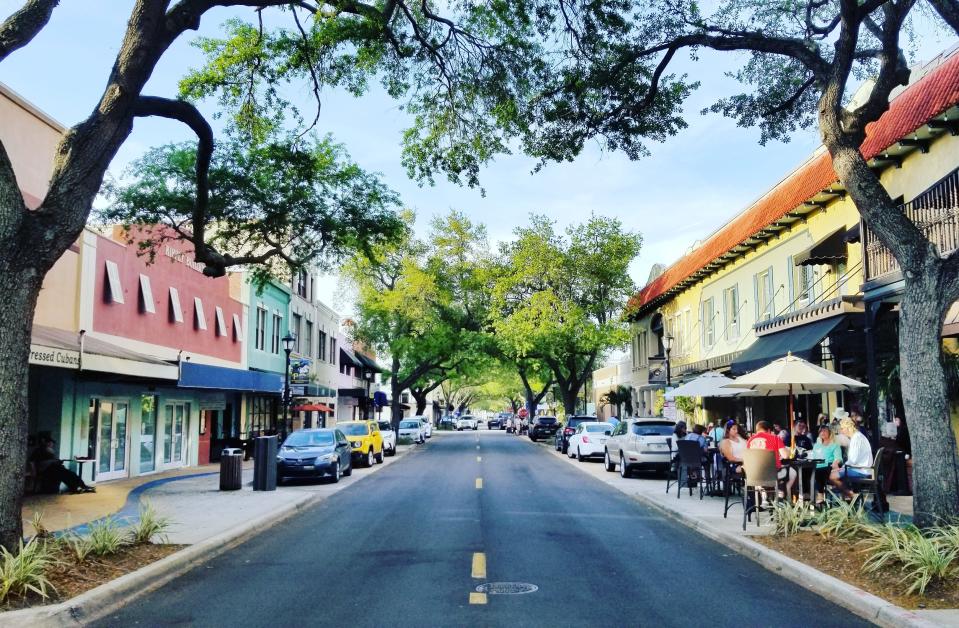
852,598
111,596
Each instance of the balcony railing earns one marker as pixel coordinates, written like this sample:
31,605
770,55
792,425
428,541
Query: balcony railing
935,212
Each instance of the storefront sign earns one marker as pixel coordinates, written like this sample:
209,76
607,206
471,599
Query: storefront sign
300,369
48,356
216,402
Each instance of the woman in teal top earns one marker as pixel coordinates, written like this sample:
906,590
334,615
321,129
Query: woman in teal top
828,452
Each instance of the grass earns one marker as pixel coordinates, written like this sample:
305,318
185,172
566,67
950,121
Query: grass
150,526
26,571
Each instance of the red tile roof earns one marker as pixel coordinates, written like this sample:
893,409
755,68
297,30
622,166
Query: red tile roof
930,96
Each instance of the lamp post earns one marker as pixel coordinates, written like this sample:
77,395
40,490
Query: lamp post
288,341
667,346
368,376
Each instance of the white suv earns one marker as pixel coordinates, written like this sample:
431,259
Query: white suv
466,423
389,438
427,426
639,443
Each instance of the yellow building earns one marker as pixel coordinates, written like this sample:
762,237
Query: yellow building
787,273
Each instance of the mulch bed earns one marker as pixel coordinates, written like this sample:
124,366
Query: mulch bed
844,560
71,578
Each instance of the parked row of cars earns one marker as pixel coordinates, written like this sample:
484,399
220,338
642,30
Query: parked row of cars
629,445
333,452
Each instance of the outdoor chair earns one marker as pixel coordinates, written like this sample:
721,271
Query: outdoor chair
672,473
690,461
872,485
759,467
732,481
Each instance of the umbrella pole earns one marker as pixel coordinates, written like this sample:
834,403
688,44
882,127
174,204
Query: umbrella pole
792,427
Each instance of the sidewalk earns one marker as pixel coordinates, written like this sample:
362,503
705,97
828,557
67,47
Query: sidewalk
706,516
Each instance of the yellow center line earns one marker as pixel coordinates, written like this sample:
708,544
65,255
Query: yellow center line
479,483
477,598
479,565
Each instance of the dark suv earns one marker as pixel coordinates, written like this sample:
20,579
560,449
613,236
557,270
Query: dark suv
572,422
542,427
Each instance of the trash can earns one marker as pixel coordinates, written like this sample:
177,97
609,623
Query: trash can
231,469
264,463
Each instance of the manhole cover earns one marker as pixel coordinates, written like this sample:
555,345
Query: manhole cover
506,588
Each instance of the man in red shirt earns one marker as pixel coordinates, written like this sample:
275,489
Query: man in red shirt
763,439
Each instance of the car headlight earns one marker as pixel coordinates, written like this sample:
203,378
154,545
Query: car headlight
280,459
328,458
356,443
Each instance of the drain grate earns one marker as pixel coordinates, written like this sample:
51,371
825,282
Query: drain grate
507,588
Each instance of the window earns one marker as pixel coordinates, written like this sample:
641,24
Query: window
113,282
296,323
237,331
259,339
709,322
765,296
277,323
644,348
804,285
332,350
146,296
308,339
731,312
220,322
301,284
199,317
321,347
176,312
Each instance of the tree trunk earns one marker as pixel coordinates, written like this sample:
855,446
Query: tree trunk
420,402
396,389
20,291
935,461
570,395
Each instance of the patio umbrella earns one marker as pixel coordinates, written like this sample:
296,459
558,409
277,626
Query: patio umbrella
707,385
790,376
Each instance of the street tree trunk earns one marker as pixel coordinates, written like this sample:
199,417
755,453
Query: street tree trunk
396,389
420,399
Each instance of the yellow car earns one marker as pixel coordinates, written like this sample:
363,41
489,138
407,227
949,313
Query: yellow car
366,440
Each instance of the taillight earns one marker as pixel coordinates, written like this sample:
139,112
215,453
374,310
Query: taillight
568,430
585,439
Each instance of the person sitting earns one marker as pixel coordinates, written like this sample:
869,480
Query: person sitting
802,436
838,416
858,458
827,451
763,439
715,432
679,430
733,446
52,473
697,435
781,432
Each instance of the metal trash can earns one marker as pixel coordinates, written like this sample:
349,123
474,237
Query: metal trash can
264,463
231,469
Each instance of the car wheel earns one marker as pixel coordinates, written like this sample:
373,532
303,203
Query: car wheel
347,472
609,464
370,460
579,456
379,457
532,438
391,451
569,453
624,469
336,473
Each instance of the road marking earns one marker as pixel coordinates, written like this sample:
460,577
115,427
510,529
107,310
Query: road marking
479,565
479,483
479,458
477,446
477,598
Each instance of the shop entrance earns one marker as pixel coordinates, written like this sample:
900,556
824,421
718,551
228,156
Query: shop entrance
176,417
110,419
224,430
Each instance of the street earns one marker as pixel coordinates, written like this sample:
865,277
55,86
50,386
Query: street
399,547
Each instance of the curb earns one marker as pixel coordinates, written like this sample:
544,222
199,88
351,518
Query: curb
110,596
852,598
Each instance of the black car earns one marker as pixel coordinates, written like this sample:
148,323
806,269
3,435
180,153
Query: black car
314,454
495,423
542,427
572,422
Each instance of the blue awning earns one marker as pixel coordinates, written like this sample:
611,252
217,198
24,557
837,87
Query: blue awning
221,378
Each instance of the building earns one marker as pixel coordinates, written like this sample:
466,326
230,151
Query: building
313,362
615,375
788,274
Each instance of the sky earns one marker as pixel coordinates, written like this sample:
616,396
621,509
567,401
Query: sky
688,188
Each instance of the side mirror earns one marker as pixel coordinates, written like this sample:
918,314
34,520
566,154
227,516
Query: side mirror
608,432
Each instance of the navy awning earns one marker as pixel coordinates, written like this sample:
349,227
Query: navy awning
800,341
369,363
221,378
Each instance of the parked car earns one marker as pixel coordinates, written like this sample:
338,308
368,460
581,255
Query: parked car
589,440
413,430
316,453
639,444
543,427
562,435
448,422
427,426
389,438
466,422
366,439
498,422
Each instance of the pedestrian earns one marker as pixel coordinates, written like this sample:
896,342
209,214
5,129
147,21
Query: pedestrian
52,473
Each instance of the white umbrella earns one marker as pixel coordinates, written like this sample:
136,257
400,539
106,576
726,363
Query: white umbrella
790,375
707,385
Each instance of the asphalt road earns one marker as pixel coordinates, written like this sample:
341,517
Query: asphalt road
399,549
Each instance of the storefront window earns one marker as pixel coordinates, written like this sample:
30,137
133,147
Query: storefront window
148,425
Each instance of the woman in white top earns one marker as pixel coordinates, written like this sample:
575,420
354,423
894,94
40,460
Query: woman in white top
733,446
858,458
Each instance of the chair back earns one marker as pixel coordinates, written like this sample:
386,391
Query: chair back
669,443
877,463
759,466
690,453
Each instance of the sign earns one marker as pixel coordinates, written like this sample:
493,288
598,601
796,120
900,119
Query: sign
669,410
657,371
523,413
48,356
298,391
300,369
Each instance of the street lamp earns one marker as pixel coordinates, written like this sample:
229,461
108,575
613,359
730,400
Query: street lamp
288,341
368,376
667,346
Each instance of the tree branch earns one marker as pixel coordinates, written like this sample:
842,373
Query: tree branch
22,26
948,10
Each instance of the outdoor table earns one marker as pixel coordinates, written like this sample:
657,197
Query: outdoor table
80,462
799,464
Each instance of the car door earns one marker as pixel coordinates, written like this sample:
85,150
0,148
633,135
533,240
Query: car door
377,437
343,449
617,441
576,437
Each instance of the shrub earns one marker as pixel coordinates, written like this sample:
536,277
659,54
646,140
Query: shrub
886,544
105,537
788,518
405,440
79,547
26,571
39,530
843,521
925,560
922,558
150,526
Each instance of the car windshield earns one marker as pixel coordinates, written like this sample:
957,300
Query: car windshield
546,420
599,427
385,425
576,420
652,429
409,424
354,429
309,439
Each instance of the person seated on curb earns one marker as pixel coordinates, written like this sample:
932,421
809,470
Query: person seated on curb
733,446
827,450
763,439
52,473
858,458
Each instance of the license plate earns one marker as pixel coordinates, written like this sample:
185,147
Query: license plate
657,446
602,440
308,467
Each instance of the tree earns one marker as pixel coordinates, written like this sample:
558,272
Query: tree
559,297
619,397
465,72
800,60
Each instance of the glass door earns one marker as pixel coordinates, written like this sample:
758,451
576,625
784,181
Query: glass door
112,450
176,416
148,433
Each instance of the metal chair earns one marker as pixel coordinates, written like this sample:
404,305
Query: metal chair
690,459
872,485
672,473
759,468
731,480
